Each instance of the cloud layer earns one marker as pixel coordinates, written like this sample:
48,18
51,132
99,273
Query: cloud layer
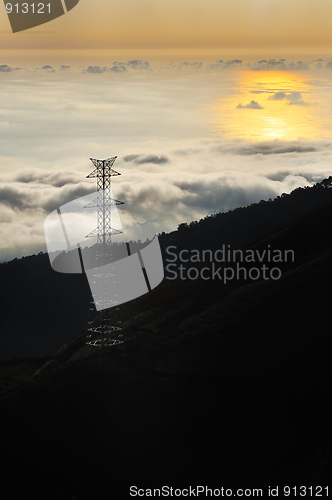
175,164
150,66
223,175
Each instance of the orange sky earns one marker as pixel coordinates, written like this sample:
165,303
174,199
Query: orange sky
272,27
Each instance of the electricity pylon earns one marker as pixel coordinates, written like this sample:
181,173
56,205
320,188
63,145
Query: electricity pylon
104,335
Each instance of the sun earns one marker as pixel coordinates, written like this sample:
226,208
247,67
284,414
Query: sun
272,105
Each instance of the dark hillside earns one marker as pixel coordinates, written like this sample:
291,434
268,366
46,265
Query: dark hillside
221,385
241,226
41,308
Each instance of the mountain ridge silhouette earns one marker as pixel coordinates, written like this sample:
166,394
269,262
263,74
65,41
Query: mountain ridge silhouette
39,293
223,385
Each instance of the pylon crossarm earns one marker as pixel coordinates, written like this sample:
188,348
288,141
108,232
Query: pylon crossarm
96,232
98,172
108,161
104,343
96,203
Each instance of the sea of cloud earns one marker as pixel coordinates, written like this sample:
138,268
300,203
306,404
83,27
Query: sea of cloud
280,64
175,165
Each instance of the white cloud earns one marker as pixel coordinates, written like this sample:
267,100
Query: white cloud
251,105
295,98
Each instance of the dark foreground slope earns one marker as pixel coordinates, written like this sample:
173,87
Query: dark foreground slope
221,385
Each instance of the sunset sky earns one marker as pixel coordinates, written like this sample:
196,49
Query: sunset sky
270,28
208,106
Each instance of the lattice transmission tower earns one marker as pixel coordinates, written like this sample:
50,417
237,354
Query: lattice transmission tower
104,335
